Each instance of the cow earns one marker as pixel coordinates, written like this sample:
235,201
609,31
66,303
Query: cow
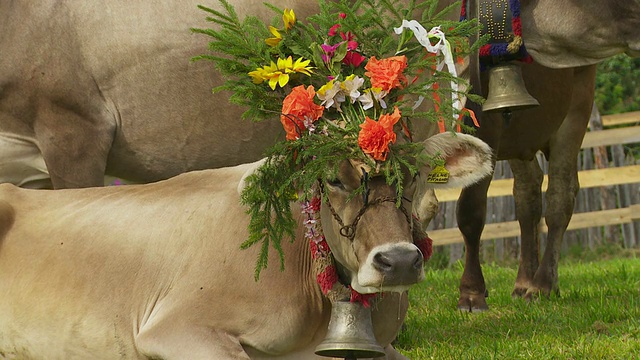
107,87
155,271
566,40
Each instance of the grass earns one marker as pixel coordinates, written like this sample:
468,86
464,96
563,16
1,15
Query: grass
597,316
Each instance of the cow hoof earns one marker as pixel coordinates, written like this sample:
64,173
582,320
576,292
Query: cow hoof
472,303
536,293
533,295
519,292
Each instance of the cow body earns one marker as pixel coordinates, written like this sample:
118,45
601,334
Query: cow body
108,87
169,259
155,271
555,34
561,34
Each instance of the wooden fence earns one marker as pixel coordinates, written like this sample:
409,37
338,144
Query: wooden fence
607,207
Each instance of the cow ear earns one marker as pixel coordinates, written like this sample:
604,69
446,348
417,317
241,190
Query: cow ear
467,159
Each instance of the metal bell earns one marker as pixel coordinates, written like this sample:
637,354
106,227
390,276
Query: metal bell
350,333
507,91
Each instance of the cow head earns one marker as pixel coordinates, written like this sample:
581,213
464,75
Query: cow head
370,236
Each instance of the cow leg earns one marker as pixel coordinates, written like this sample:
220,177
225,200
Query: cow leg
471,213
188,342
74,144
563,179
393,354
527,193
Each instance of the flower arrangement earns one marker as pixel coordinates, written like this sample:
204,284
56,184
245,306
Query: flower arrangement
345,83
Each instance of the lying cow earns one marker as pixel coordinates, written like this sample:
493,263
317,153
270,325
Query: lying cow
155,271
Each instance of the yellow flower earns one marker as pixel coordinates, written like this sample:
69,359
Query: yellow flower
289,18
301,66
278,74
274,41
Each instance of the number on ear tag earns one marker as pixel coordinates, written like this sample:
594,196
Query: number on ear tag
439,175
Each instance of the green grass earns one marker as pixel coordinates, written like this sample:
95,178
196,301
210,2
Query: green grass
597,316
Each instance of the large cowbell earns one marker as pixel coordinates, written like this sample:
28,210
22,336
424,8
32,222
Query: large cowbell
507,91
350,333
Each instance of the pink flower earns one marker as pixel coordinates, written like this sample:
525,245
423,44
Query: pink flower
329,51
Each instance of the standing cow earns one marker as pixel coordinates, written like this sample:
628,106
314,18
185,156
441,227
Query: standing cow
571,36
155,271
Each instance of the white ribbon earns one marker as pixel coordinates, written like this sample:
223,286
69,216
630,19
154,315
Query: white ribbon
441,47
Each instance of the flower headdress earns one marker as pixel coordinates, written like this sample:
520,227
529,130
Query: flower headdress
344,84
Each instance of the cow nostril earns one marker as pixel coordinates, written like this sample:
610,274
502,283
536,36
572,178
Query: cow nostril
417,264
382,262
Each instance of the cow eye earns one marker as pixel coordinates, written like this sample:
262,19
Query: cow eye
335,183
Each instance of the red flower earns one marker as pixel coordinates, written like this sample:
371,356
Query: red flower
297,107
334,29
375,136
387,73
353,58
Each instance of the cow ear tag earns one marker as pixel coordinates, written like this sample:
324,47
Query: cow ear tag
439,175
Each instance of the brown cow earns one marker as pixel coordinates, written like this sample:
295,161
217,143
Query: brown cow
556,128
108,87
559,34
155,271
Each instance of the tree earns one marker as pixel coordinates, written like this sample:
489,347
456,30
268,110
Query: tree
618,85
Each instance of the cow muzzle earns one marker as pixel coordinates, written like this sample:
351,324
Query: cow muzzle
391,267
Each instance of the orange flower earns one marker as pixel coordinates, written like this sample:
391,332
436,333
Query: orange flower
297,108
386,73
374,137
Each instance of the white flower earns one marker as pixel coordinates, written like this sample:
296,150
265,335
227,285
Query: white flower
330,94
351,85
370,96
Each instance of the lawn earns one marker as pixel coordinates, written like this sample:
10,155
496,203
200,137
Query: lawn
597,316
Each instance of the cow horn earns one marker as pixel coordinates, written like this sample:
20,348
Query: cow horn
507,91
350,333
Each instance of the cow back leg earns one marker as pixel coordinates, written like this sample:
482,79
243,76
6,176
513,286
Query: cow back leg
188,342
75,143
564,147
527,194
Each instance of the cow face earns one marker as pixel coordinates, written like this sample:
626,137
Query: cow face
370,237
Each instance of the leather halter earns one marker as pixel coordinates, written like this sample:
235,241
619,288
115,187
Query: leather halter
349,231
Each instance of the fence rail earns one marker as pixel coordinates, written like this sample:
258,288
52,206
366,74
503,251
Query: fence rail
595,178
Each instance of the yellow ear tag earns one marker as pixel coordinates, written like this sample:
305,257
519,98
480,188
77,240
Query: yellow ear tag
439,175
